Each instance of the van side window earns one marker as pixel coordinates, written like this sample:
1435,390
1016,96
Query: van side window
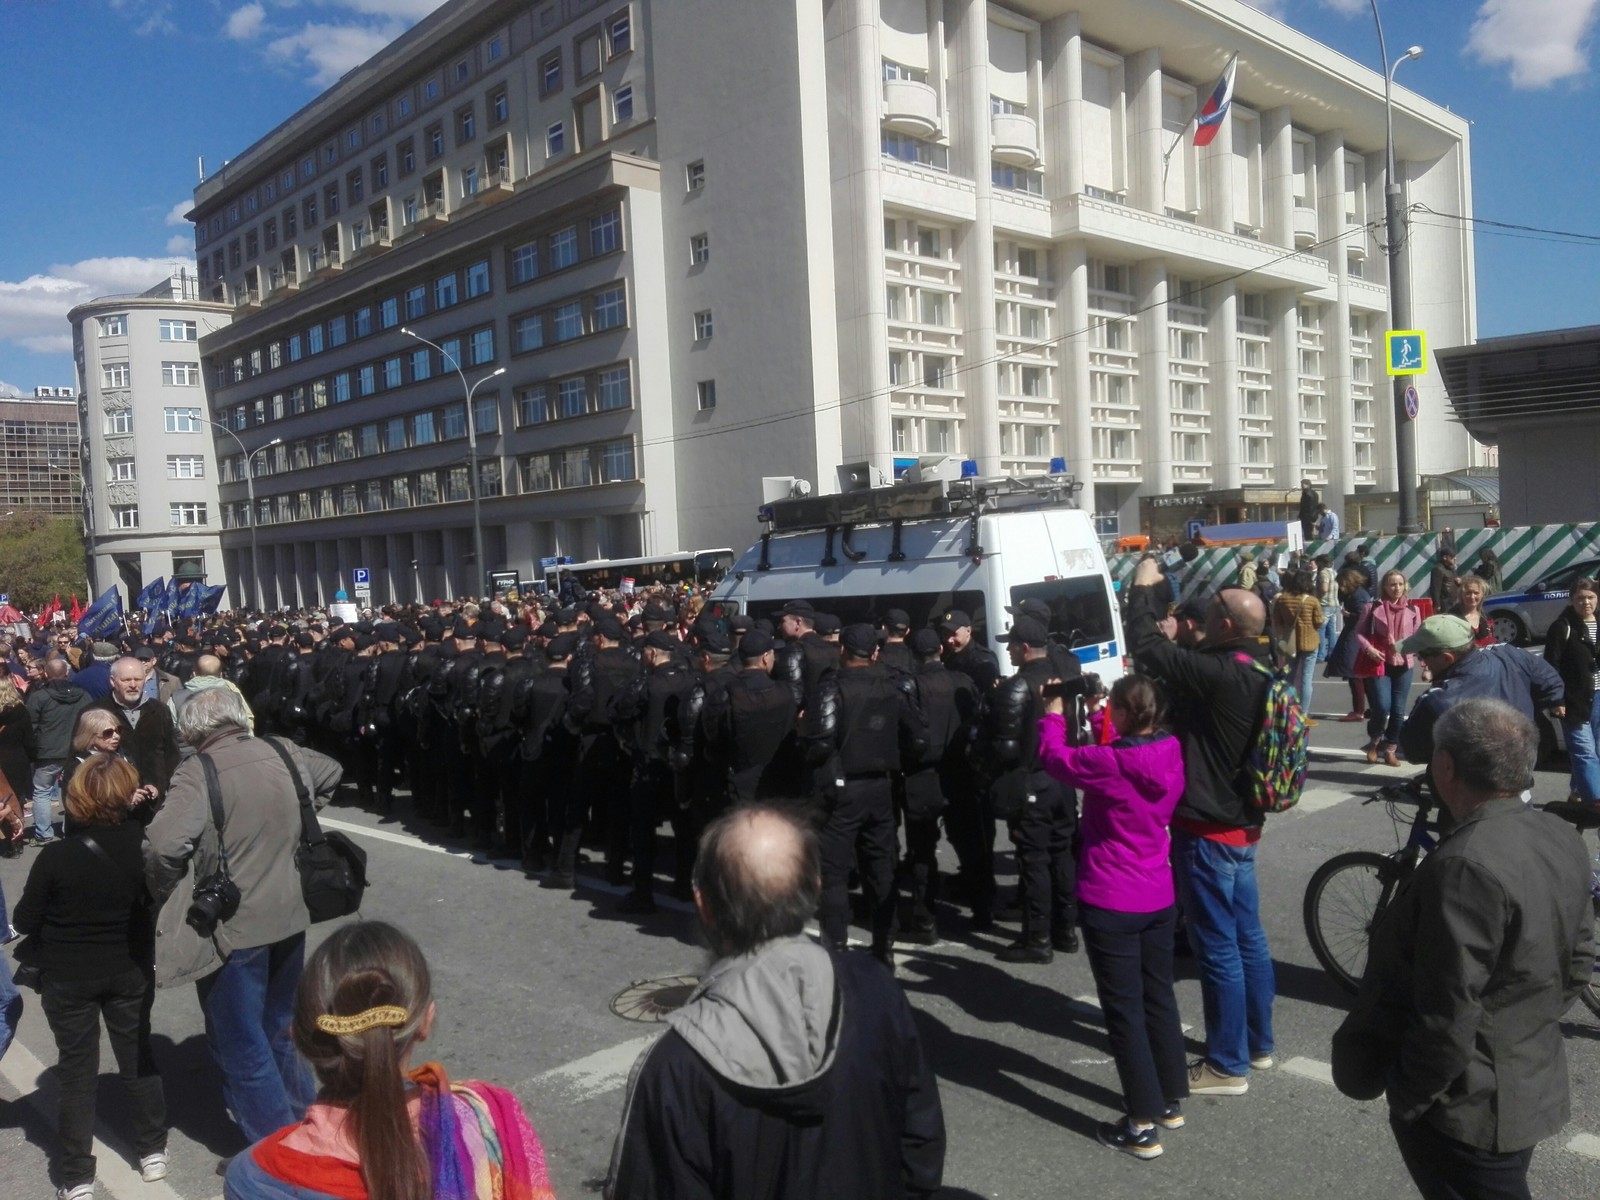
1080,608
924,608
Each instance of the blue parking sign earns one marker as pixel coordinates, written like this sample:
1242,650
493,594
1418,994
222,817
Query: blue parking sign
361,577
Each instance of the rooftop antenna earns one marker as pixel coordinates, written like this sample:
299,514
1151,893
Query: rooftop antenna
200,163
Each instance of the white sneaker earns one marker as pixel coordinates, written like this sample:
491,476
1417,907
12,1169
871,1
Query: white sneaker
1261,1062
153,1166
80,1191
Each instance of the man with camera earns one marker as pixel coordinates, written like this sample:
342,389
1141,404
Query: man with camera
220,860
1217,701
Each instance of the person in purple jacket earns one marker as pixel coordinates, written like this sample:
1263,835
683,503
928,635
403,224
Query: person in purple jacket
1127,901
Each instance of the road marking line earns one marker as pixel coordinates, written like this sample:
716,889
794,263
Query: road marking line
1310,1068
37,1086
385,835
1586,1144
597,1073
1338,752
1317,799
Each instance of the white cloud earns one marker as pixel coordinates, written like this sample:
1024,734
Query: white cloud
244,23
331,50
149,16
1348,8
10,390
175,213
33,311
180,243
1542,41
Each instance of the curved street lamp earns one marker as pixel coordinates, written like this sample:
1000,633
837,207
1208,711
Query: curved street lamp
482,571
250,491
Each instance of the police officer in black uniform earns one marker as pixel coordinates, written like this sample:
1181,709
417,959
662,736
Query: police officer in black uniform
863,728
648,714
598,678
962,652
751,731
942,778
893,652
1040,811
550,752
806,657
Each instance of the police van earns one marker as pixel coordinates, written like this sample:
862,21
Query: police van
974,545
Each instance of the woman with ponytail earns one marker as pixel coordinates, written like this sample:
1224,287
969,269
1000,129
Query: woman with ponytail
380,1130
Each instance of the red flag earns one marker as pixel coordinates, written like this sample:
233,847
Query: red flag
76,610
49,610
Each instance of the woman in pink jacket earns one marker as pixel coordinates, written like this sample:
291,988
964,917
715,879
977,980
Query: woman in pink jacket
1126,901
1387,622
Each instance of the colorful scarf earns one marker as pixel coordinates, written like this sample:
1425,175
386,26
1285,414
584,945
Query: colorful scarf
479,1143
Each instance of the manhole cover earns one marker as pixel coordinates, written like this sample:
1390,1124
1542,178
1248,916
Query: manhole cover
650,1000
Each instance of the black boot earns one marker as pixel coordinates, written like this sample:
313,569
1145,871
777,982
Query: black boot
1026,950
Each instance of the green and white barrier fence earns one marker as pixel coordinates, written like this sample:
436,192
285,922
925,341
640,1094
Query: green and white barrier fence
1526,553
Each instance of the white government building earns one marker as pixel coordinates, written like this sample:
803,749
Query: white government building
710,241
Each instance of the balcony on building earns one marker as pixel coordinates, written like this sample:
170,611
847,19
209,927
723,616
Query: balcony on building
1304,224
1355,238
497,186
911,107
1015,138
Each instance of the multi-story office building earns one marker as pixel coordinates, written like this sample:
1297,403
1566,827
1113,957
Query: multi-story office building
708,242
149,471
39,453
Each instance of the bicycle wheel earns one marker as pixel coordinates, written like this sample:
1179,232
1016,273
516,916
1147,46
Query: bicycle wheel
1343,901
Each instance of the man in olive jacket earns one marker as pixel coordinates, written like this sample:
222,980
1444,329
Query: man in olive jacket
247,972
1473,964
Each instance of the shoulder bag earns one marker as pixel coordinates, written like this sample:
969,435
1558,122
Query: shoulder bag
333,869
26,953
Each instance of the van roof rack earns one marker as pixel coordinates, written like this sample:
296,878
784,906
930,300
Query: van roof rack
967,497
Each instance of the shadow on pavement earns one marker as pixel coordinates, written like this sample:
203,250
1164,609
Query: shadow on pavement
194,1094
1309,985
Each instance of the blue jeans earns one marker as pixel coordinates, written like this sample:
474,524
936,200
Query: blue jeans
249,1007
46,791
1327,637
1302,674
1583,752
1386,704
1217,883
10,998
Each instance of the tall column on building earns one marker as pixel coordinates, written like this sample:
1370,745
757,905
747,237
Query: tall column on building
1336,321
1277,177
1072,298
1150,288
853,50
1223,337
1283,321
970,157
1142,72
1062,43
1216,178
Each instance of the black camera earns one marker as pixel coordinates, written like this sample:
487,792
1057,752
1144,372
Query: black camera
1085,685
215,900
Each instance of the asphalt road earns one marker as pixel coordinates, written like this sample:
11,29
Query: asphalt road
524,978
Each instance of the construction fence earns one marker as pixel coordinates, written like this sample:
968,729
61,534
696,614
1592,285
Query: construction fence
1527,553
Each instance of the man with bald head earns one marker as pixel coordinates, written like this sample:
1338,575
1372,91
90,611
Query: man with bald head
53,705
1218,699
149,737
793,1071
207,675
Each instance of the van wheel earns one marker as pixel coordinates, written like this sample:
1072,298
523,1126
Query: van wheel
1508,628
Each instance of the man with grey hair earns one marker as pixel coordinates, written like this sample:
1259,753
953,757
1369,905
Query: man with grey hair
793,1070
246,971
149,740
1471,968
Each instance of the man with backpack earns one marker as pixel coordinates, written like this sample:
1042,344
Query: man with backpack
1219,696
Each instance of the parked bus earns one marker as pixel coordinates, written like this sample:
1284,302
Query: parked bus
695,567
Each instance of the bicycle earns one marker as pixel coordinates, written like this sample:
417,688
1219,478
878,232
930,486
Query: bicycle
1348,894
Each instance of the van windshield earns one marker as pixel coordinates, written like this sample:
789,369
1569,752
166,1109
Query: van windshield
1080,609
924,608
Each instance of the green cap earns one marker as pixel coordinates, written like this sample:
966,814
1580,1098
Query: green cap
1439,632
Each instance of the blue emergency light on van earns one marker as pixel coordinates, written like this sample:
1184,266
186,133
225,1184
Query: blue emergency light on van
969,468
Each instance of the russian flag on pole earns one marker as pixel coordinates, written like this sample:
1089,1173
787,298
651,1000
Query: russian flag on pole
1215,110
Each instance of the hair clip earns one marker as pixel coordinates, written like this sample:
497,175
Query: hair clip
387,1014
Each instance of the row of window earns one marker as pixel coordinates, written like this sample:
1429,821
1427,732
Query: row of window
171,330
119,375
179,466
582,466
174,420
180,515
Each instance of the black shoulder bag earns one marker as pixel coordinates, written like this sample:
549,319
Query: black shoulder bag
333,869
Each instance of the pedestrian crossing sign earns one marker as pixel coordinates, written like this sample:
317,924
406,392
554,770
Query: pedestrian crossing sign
1406,351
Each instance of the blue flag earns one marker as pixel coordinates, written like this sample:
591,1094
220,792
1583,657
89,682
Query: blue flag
152,592
168,597
189,601
103,618
212,599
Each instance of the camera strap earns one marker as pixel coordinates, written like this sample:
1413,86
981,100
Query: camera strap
214,795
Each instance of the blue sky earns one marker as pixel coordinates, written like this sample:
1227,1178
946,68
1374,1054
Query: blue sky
116,100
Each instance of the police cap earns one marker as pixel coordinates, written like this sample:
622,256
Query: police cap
954,618
924,642
859,639
1028,632
754,644
563,645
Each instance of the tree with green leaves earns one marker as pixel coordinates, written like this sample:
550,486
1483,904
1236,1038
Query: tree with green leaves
40,557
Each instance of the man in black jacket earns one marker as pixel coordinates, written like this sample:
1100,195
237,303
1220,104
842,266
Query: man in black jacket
1042,812
806,657
53,705
1471,969
793,1072
647,715
750,729
862,730
149,737
1218,698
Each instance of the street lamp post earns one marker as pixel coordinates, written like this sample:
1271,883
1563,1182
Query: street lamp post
1405,429
481,570
250,492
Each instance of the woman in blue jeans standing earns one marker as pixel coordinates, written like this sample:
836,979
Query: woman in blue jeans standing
1570,647
1387,622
